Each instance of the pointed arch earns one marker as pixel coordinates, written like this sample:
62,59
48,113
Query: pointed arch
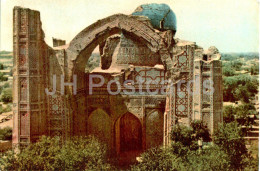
99,125
154,128
128,130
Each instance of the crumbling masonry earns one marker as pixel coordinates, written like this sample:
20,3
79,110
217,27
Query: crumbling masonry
132,47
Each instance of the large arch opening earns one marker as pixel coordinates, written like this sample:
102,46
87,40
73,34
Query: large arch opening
82,46
78,54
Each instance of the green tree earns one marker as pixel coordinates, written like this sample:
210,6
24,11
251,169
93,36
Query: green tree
252,87
6,133
2,78
228,71
229,114
229,138
241,87
254,70
230,84
183,134
242,94
237,65
6,85
1,66
242,114
210,158
160,159
200,130
80,153
186,138
6,95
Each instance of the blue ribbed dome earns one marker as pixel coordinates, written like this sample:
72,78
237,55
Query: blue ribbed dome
161,16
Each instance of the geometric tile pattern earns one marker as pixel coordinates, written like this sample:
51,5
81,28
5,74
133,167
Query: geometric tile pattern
181,108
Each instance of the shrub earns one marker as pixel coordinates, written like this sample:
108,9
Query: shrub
6,85
228,152
8,108
80,153
229,138
211,158
185,136
254,70
251,162
2,78
6,133
6,96
239,113
1,66
228,71
241,87
229,114
159,159
84,154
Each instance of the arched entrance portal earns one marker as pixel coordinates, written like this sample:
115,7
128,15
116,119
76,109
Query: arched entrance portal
128,134
81,47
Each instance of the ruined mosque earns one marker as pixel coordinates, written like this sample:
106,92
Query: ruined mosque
157,81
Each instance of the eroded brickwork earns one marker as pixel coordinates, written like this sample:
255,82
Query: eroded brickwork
131,49
31,56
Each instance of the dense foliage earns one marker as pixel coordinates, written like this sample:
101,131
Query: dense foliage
6,133
1,66
81,153
227,153
8,108
211,158
186,138
242,87
240,113
230,139
6,95
254,70
235,56
2,78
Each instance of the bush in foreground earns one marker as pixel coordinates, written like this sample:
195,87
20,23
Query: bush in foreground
80,153
227,153
159,159
211,158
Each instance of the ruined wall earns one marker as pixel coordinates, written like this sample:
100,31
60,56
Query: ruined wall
30,76
180,96
208,89
218,94
58,110
58,42
35,65
132,57
132,51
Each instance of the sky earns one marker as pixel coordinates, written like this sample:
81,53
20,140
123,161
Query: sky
230,25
